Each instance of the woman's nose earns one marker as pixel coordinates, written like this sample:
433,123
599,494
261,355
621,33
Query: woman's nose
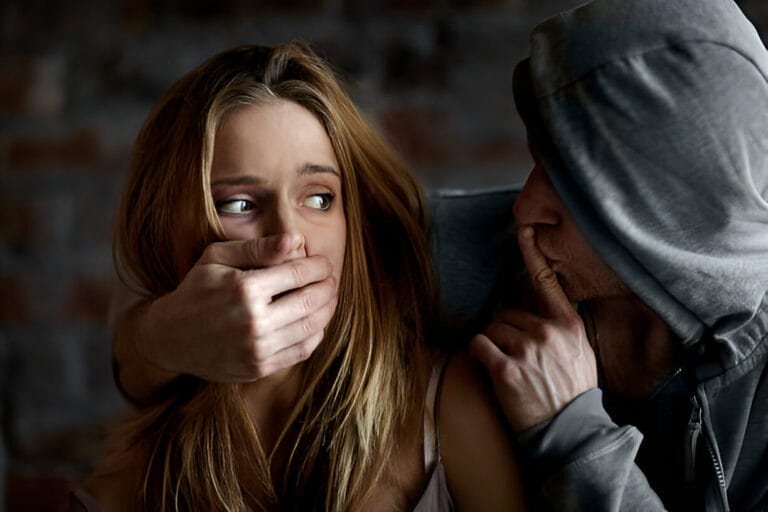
283,220
299,249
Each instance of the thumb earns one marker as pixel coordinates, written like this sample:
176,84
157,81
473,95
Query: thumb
252,253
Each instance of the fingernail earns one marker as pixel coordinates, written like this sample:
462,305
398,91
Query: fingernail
527,232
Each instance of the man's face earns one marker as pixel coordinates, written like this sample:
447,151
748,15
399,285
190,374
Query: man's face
581,271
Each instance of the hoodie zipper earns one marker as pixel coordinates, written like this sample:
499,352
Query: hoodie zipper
695,426
693,432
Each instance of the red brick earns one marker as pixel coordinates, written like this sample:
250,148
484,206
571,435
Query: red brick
81,148
501,150
406,68
89,299
135,14
418,135
15,76
14,301
31,84
18,226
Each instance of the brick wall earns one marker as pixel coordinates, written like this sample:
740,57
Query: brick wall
76,80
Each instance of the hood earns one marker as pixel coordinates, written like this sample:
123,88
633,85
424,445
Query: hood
652,122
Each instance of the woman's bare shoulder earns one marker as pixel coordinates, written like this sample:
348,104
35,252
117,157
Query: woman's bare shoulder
466,388
476,444
114,488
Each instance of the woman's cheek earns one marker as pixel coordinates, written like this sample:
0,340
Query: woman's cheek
236,229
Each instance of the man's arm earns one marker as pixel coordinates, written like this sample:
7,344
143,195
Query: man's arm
545,376
139,379
583,461
244,311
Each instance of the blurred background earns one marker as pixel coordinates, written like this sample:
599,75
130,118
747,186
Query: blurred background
77,79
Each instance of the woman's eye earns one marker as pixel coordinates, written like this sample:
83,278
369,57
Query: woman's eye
319,201
234,206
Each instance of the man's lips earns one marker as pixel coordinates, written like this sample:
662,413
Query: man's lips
554,263
551,261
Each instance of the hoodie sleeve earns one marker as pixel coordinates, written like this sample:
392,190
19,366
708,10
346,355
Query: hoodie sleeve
584,461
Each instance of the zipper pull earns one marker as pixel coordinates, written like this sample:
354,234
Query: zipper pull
692,434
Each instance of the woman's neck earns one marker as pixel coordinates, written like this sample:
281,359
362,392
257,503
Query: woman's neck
270,402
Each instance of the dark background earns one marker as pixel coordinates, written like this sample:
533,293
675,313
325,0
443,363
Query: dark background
76,81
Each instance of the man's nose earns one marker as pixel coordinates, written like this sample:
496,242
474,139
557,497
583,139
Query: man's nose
537,202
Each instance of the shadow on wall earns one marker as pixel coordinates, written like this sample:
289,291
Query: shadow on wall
77,80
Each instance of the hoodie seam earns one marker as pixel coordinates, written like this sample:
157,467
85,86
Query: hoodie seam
744,366
690,42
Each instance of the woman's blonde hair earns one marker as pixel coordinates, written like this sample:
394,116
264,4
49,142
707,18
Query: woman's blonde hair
357,399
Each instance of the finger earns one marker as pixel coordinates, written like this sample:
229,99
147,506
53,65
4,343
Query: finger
291,355
278,279
519,318
551,297
294,334
482,348
299,303
509,339
253,253
308,326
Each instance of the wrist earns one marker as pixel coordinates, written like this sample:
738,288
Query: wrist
147,347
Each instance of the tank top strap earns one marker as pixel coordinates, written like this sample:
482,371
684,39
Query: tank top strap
432,413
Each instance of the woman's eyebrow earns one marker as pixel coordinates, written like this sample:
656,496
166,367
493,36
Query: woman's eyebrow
316,169
237,180
250,179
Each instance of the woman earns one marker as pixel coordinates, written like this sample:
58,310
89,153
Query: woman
259,142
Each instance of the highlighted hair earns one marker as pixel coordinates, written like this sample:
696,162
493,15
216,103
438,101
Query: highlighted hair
357,400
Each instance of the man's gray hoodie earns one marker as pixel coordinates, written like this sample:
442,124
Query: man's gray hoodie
652,120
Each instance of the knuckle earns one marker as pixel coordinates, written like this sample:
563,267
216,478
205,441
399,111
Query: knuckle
297,273
241,288
257,354
304,350
256,326
573,322
527,351
504,370
546,277
308,326
209,254
307,302
252,248
515,349
529,354
544,331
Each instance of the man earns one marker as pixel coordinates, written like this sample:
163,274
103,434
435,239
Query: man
648,207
